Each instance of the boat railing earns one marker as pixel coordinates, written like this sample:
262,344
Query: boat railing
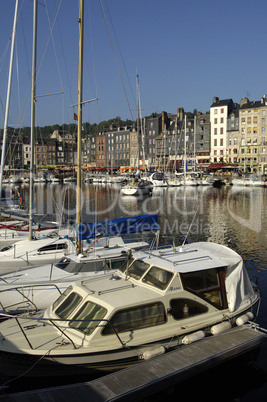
53,322
26,299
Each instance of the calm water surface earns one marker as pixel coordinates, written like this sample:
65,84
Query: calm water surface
233,216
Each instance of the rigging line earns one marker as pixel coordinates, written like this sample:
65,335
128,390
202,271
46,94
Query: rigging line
4,54
121,55
49,35
93,57
52,39
65,64
104,16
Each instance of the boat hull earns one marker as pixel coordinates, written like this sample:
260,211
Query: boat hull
77,362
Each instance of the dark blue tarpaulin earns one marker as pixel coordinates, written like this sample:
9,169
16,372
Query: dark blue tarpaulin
118,226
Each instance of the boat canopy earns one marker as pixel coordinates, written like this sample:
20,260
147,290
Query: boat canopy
118,226
238,285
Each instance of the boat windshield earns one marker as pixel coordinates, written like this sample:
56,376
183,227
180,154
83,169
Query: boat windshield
68,306
63,263
158,277
68,265
134,268
88,318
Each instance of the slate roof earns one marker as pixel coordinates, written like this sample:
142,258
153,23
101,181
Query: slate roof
252,105
222,102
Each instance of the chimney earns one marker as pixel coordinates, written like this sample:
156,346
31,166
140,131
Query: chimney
180,114
164,120
244,101
215,99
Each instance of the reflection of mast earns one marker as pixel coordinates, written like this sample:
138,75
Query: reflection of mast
8,97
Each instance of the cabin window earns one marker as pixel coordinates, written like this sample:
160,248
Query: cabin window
53,247
160,278
88,318
135,318
62,297
68,305
208,284
185,308
135,269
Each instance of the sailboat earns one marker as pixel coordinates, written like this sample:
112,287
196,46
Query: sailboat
141,186
188,179
30,252
17,230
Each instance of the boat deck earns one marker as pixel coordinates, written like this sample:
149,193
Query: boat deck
154,375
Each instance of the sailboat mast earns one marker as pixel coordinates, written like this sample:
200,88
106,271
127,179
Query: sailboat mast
195,126
138,118
34,44
185,147
79,134
8,96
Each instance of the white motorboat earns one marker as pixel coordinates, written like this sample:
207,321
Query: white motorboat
158,179
141,187
249,180
156,302
36,288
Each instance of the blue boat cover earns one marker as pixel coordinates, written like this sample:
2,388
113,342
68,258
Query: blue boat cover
118,226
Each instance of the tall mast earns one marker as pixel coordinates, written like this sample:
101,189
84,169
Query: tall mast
138,118
8,96
79,134
34,43
185,147
195,126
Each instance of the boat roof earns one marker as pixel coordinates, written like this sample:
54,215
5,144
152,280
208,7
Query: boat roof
191,257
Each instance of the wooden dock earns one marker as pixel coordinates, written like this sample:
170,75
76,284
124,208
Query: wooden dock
154,375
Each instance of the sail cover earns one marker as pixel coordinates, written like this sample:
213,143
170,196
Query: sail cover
118,226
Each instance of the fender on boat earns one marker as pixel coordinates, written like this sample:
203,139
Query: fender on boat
219,328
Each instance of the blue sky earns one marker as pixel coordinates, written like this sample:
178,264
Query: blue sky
184,52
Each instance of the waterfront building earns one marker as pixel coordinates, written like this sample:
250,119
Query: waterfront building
118,147
156,125
135,149
234,139
253,131
101,150
219,113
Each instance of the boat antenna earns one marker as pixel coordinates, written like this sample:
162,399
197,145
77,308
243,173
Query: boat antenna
189,229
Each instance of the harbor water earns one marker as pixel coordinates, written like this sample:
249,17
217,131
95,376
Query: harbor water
231,215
